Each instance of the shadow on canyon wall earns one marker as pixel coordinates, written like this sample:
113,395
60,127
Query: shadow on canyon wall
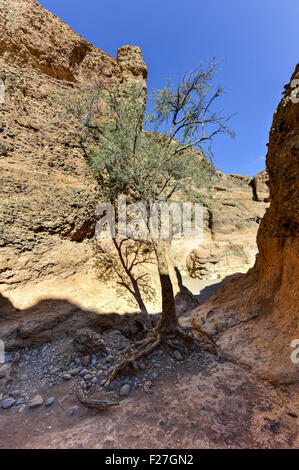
51,319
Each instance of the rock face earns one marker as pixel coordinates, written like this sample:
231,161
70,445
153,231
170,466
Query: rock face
231,219
260,182
48,198
255,317
47,215
32,37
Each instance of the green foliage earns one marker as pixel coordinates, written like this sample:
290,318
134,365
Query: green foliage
151,166
187,110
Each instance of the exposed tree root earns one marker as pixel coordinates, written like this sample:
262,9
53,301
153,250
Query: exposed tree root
132,360
158,335
145,341
101,405
152,342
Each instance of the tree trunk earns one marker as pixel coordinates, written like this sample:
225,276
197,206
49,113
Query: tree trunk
168,322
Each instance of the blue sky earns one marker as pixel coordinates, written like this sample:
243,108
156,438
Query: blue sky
258,39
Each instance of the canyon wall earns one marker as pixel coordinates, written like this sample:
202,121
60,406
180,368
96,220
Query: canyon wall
231,216
48,197
255,317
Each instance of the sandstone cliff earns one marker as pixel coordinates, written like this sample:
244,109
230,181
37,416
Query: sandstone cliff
231,219
255,317
46,226
260,184
48,198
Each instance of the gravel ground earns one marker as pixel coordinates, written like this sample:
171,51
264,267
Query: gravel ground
42,368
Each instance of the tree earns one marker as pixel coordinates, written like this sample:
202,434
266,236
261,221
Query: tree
149,166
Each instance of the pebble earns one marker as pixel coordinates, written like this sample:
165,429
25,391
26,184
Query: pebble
50,401
3,370
124,390
8,357
94,380
116,384
36,401
8,403
66,377
178,355
15,393
74,371
85,360
73,410
20,401
147,386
